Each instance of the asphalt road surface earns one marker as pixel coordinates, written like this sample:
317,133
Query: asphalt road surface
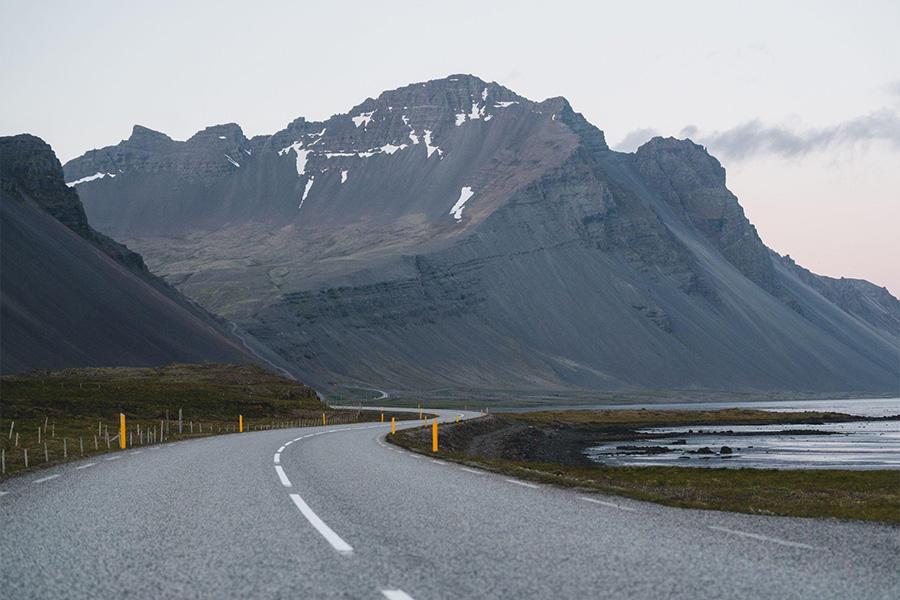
335,512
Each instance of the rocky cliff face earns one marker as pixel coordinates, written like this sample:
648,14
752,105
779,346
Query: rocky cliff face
452,234
70,296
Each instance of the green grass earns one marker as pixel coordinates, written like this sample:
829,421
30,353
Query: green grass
75,408
841,494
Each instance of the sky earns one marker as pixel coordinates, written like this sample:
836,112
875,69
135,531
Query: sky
800,101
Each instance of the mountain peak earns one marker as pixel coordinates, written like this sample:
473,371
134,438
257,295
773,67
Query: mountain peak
144,136
230,132
683,152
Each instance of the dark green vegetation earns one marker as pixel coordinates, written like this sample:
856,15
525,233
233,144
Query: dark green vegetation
546,447
629,419
71,412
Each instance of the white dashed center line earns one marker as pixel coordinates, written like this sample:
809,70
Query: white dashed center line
85,466
47,478
334,539
609,504
112,458
396,595
763,538
284,480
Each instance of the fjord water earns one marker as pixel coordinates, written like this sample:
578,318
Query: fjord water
855,445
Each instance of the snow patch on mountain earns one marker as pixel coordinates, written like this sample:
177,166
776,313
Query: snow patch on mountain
429,147
97,175
363,119
344,175
505,104
309,184
232,161
391,148
460,119
464,194
302,155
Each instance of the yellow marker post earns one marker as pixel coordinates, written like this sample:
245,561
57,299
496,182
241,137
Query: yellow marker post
434,441
121,431
382,417
240,423
323,419
420,411
393,426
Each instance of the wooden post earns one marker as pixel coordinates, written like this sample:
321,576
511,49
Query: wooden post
25,450
3,461
180,421
65,449
39,435
11,425
81,444
46,454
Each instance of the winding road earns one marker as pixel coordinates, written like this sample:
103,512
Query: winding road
336,512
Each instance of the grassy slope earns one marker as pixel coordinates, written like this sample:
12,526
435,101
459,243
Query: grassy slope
859,495
81,405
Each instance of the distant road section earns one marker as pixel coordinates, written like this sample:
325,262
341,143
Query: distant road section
337,512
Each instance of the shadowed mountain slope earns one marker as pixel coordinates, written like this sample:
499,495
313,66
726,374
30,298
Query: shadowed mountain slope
70,296
453,234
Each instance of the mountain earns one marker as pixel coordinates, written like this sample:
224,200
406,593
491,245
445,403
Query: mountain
70,296
454,235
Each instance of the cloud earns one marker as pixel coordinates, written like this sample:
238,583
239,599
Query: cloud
755,138
633,139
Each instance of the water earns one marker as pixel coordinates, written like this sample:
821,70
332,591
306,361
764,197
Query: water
856,445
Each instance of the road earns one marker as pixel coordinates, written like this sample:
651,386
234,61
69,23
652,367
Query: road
338,513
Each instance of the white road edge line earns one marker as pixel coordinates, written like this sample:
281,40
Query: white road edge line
523,483
85,466
468,470
277,458
763,538
3,493
334,539
396,595
47,478
112,458
609,504
284,480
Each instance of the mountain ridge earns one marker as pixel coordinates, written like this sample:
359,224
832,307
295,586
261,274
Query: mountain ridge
361,231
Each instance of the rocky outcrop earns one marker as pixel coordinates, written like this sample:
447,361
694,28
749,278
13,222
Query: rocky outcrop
692,183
